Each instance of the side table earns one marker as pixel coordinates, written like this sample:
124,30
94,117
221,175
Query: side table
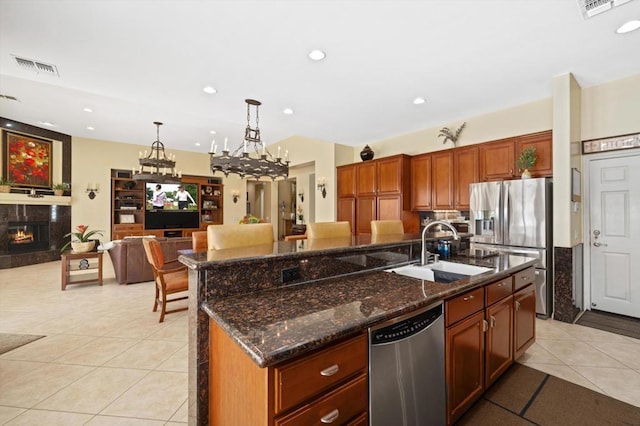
79,268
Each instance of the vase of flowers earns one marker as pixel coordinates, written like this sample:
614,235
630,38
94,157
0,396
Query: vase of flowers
59,188
248,219
526,160
80,242
5,185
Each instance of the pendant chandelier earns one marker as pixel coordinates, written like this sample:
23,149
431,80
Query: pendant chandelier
240,162
156,166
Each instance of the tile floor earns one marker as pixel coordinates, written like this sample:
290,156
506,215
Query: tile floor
107,361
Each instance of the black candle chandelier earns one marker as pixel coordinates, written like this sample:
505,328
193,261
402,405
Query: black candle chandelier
240,161
156,166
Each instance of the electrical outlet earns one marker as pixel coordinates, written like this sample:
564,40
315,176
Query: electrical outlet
290,274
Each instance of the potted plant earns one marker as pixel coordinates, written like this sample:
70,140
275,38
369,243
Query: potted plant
526,160
80,242
5,185
59,188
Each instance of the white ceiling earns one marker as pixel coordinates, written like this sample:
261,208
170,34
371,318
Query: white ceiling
135,62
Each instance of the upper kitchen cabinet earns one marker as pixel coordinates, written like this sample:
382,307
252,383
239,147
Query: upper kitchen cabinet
366,179
497,160
544,152
346,180
381,192
465,172
421,182
442,180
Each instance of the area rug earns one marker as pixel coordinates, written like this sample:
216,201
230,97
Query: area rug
618,324
525,396
9,342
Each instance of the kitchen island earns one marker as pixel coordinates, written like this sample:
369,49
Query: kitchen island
341,290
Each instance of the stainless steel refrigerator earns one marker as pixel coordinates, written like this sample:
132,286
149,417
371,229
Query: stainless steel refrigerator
515,217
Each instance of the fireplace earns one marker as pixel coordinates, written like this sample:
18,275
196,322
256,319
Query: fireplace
24,237
31,233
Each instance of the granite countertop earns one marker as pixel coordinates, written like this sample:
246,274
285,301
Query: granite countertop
276,325
301,248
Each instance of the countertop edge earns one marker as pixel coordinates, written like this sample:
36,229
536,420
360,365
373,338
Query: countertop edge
303,347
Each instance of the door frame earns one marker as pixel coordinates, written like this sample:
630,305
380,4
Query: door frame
586,217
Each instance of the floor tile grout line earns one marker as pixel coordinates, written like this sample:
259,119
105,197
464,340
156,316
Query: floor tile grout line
534,396
508,410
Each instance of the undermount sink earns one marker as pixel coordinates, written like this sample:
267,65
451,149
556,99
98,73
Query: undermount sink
442,271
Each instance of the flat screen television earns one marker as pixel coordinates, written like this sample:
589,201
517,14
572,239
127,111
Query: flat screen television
172,215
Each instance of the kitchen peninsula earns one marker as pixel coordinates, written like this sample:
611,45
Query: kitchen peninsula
240,312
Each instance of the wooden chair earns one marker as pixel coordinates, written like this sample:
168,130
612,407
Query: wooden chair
328,230
199,241
238,235
169,278
386,227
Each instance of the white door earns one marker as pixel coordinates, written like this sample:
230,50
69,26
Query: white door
615,234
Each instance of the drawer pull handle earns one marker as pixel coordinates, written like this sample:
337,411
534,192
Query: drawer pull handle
330,371
525,278
500,285
469,297
517,305
329,418
493,321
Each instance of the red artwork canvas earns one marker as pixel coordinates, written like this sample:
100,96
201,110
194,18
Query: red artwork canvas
27,160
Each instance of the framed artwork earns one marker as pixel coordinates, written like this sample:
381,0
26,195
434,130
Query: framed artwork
27,160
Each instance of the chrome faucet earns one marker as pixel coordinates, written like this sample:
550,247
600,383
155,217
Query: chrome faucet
424,259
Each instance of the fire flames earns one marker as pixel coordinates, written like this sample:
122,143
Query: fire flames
22,237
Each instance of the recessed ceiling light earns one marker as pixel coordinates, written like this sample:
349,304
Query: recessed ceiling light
213,132
46,123
87,109
197,143
317,55
287,111
627,27
210,90
9,124
90,128
418,101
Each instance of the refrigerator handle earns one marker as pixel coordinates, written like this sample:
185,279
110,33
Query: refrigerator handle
505,212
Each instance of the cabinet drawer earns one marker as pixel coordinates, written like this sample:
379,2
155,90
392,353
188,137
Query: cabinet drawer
299,380
524,278
498,290
127,227
464,305
338,407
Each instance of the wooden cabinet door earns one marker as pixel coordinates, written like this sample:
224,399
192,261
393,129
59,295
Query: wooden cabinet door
442,180
497,160
524,319
365,213
389,176
421,182
347,211
544,152
465,172
390,207
366,178
346,176
464,365
499,341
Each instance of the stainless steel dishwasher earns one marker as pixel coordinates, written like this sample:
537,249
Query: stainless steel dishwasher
407,370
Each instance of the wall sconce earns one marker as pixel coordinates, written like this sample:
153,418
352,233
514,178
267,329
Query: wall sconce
322,187
235,195
92,190
301,195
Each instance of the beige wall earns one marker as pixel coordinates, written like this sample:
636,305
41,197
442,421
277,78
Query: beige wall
611,109
522,119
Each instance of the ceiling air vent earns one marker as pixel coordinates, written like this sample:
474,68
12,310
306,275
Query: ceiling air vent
36,66
591,8
10,98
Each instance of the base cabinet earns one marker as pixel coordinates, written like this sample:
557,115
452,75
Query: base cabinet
486,329
327,386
